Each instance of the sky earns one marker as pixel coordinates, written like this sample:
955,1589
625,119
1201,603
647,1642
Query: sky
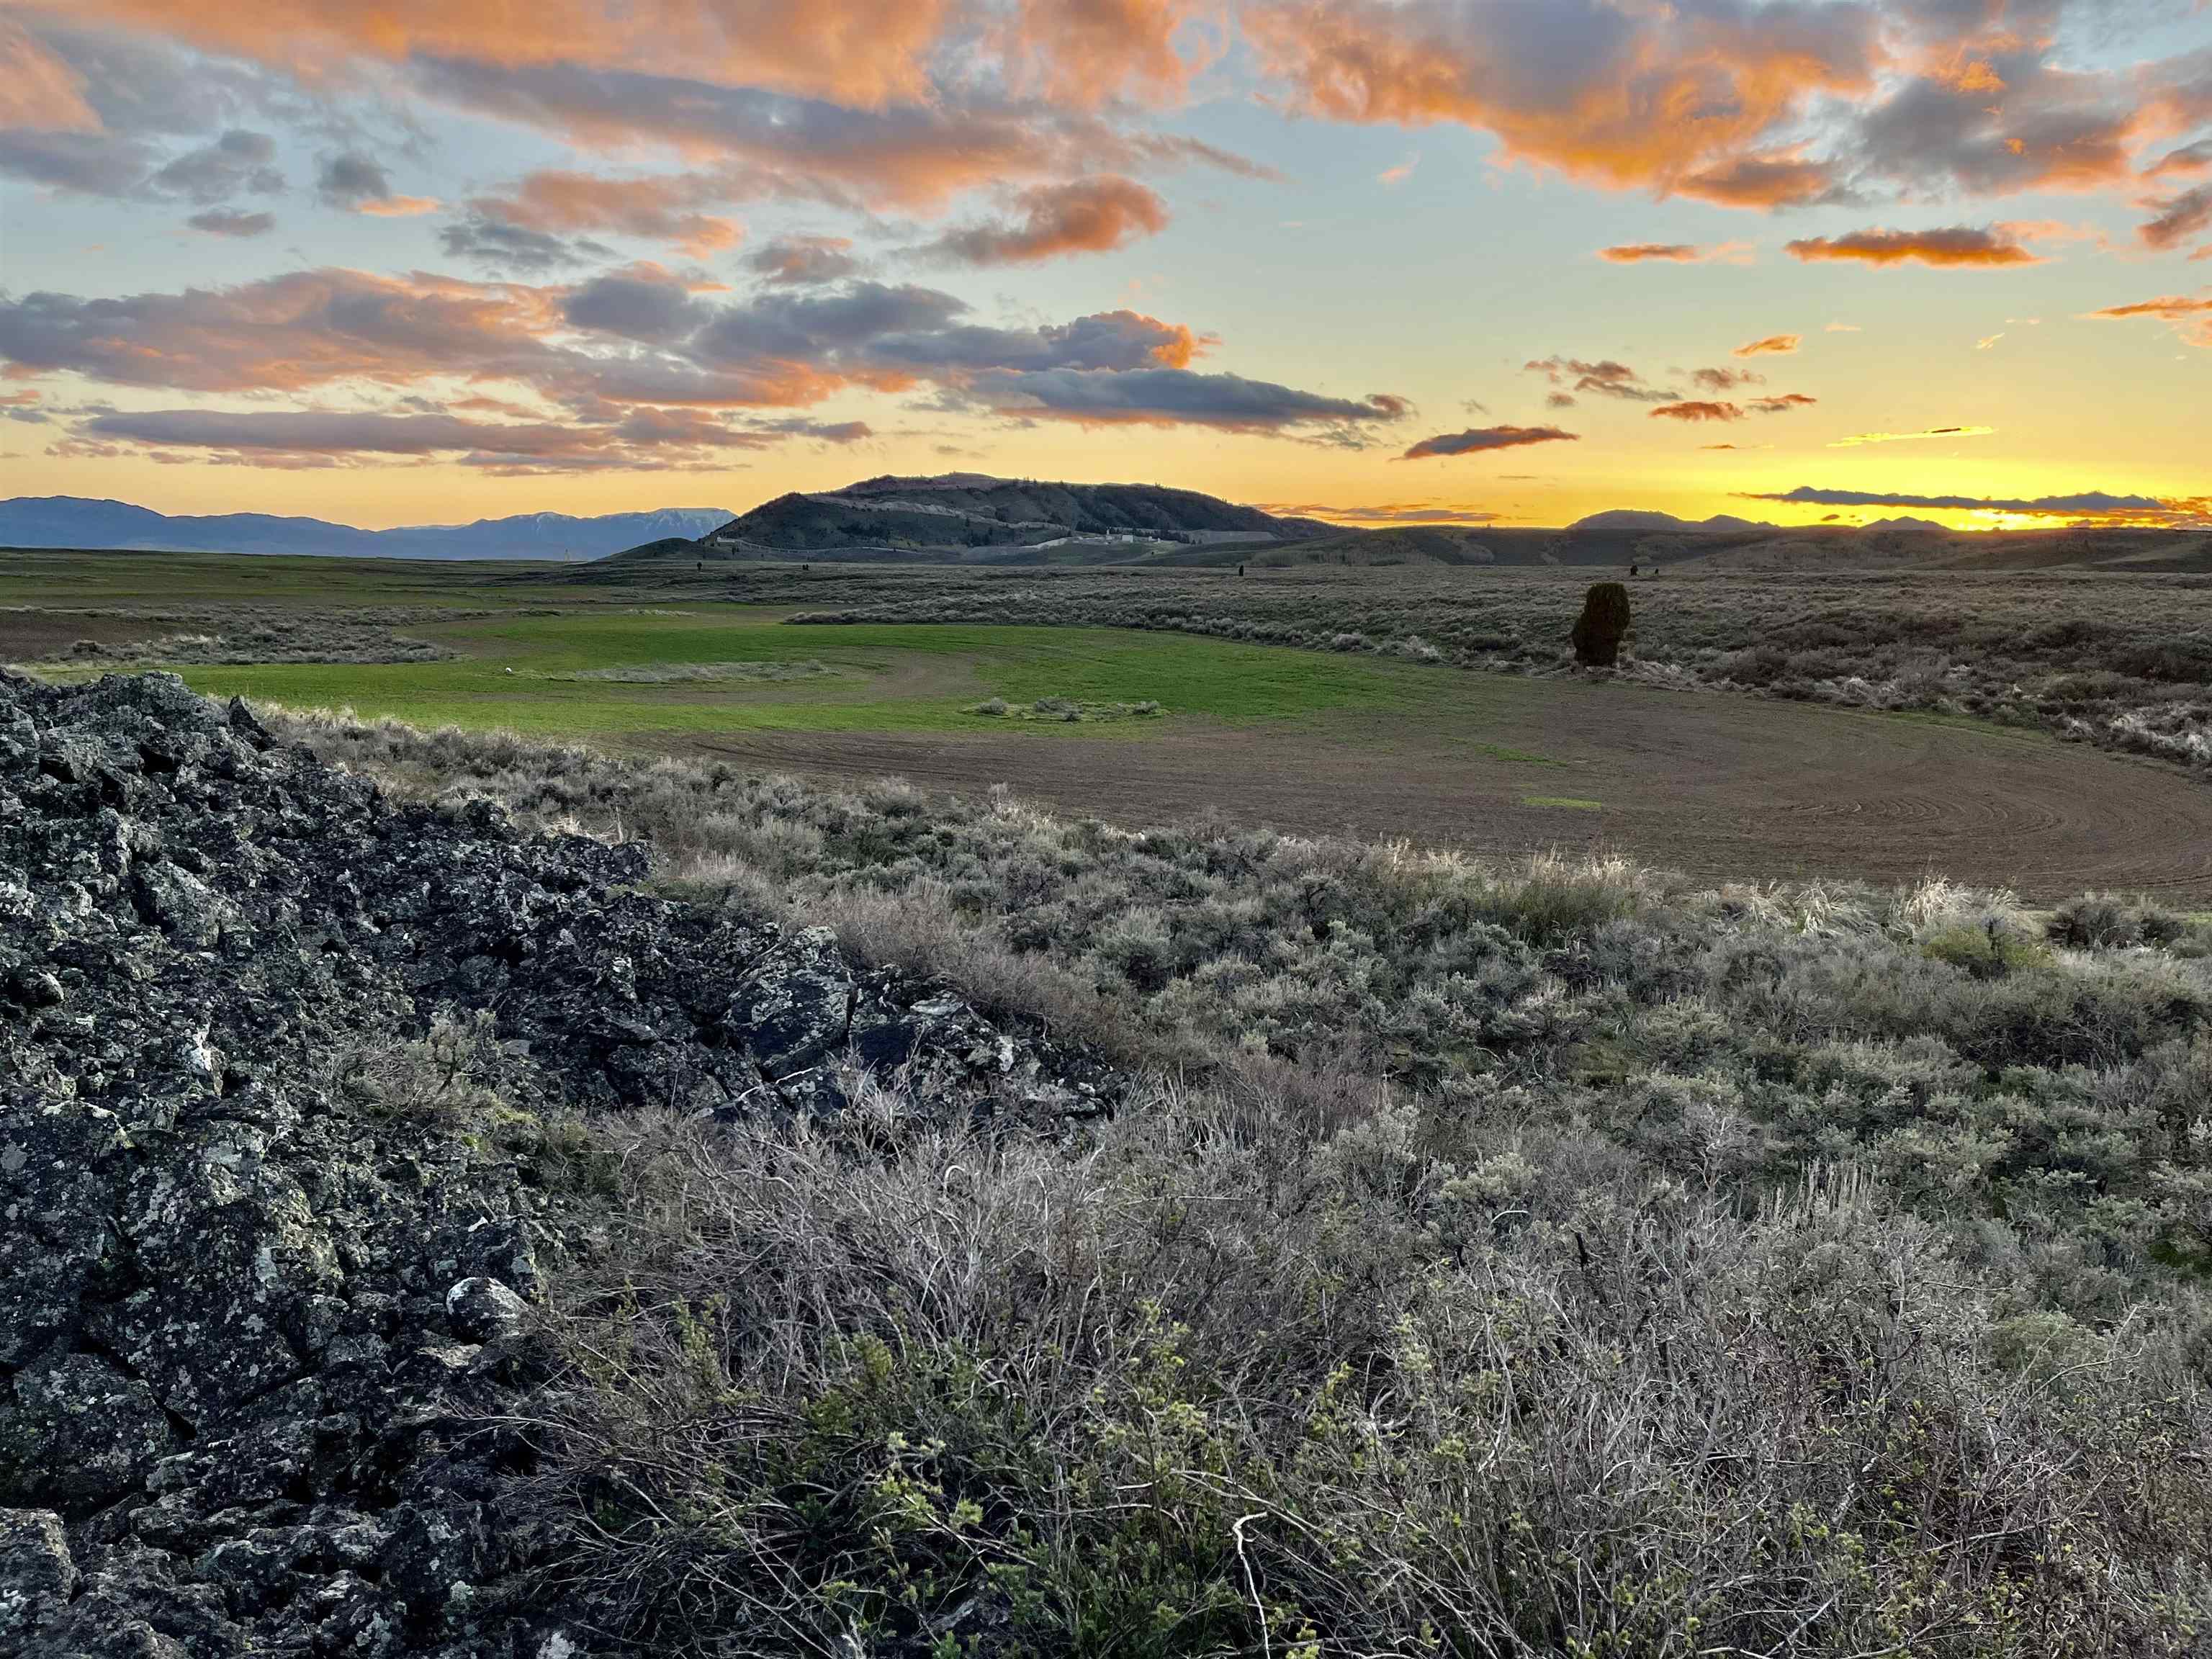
1382,261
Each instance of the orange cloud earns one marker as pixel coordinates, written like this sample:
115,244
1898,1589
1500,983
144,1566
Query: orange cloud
1954,246
1619,96
1760,181
38,91
1085,52
1698,410
1687,253
1774,345
660,208
864,52
399,206
1635,253
2191,318
1969,75
1088,216
1745,106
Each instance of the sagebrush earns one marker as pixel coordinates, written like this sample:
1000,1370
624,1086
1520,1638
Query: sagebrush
1546,1258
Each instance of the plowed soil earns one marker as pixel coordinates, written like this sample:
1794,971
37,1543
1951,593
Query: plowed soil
1716,786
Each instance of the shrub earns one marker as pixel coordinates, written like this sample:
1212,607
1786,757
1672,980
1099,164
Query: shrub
2103,920
1602,625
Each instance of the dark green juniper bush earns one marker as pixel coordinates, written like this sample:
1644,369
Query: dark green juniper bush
1602,626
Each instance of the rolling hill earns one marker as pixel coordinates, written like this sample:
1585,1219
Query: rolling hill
967,516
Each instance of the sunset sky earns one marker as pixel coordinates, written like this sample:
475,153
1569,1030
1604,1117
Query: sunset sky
397,261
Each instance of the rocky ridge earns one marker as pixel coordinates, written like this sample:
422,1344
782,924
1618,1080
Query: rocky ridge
291,1088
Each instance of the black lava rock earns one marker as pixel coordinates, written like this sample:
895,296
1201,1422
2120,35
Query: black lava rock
264,1279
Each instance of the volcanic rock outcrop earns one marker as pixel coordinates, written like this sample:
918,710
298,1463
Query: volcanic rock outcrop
290,1079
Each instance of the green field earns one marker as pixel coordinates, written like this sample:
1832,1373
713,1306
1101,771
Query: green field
515,660
893,678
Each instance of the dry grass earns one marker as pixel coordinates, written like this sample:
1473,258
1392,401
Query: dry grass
1543,1258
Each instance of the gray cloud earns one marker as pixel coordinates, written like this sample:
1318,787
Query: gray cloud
1169,397
1725,379
634,356
1478,440
820,325
827,432
642,439
1110,340
2036,128
348,178
1605,378
2091,503
229,221
2180,217
804,259
88,163
500,246
148,96
638,309
238,161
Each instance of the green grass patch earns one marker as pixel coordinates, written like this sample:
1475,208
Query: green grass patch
729,667
1572,803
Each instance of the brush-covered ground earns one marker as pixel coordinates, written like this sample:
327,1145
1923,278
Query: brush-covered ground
1553,1257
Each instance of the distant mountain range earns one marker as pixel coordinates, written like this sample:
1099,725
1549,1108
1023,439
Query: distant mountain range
1629,518
77,521
967,517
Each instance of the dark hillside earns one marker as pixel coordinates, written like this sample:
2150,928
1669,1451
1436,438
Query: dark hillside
954,516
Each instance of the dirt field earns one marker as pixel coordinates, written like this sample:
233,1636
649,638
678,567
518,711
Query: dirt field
1715,785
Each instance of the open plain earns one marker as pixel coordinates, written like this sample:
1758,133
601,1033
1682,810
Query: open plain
1376,720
